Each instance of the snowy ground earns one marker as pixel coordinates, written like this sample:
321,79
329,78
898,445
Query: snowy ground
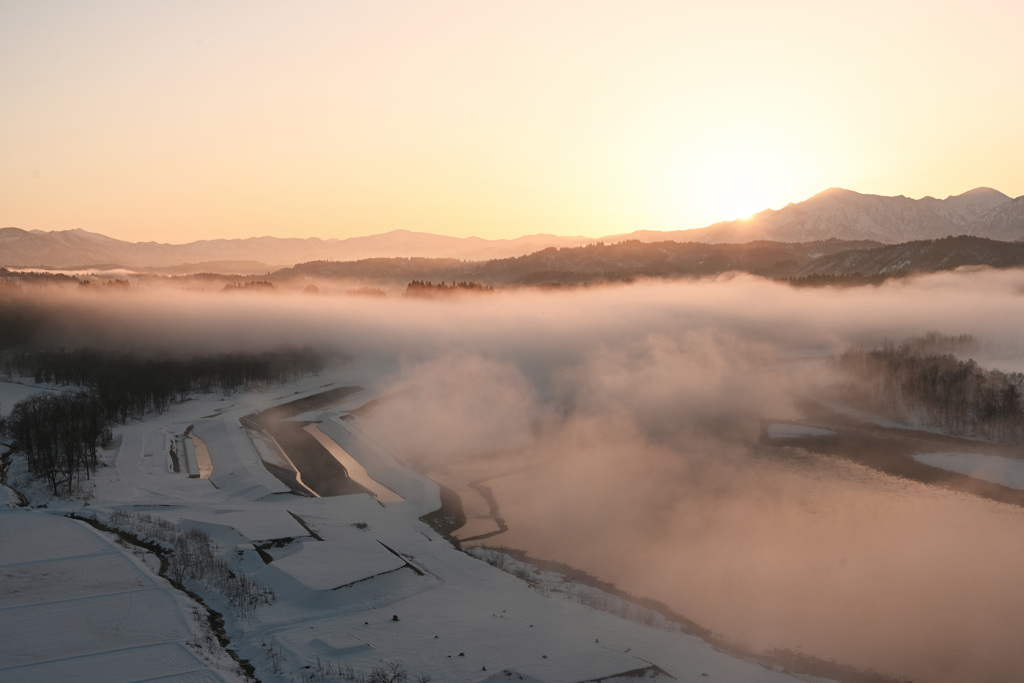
72,601
356,582
992,468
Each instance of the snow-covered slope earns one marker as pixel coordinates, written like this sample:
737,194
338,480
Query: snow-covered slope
967,208
847,215
1004,222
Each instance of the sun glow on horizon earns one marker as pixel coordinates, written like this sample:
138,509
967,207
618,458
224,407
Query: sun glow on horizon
738,182
175,122
733,177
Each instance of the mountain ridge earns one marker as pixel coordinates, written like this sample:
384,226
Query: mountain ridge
823,262
834,213
77,248
849,215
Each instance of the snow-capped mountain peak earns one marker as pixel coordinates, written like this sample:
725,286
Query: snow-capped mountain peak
848,215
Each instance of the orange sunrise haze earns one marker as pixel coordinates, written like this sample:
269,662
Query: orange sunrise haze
178,121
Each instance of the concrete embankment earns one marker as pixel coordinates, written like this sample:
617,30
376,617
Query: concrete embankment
355,470
419,492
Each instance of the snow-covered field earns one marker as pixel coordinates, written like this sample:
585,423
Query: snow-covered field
992,468
355,582
76,606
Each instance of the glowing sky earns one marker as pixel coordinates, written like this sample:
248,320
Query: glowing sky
182,120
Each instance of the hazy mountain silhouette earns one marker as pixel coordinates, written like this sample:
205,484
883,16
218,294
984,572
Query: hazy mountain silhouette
832,214
80,248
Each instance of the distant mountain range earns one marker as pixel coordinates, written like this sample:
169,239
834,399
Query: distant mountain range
823,262
69,249
833,214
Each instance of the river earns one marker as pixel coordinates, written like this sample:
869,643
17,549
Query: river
774,547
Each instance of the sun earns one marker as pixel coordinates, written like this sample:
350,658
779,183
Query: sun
725,173
737,182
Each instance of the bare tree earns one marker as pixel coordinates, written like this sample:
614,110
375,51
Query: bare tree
390,672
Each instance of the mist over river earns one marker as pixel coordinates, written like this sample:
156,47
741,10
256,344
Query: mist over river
772,547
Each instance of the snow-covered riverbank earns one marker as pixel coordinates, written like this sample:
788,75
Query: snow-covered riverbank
992,468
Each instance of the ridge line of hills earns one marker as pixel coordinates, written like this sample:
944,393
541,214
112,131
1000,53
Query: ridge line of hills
823,262
827,262
834,214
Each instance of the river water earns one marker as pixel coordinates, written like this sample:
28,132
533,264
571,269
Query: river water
776,547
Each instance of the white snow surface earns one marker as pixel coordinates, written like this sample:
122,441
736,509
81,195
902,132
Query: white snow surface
342,569
991,468
333,564
72,602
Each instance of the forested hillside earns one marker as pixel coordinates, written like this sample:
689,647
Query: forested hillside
829,262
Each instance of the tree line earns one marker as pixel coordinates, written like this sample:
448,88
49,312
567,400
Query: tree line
60,432
427,288
251,286
921,380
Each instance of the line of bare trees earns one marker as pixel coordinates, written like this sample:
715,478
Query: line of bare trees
915,381
60,432
192,557
427,288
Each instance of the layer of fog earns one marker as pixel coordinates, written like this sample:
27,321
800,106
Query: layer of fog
618,429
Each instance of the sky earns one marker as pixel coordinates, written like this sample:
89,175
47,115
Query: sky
177,121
